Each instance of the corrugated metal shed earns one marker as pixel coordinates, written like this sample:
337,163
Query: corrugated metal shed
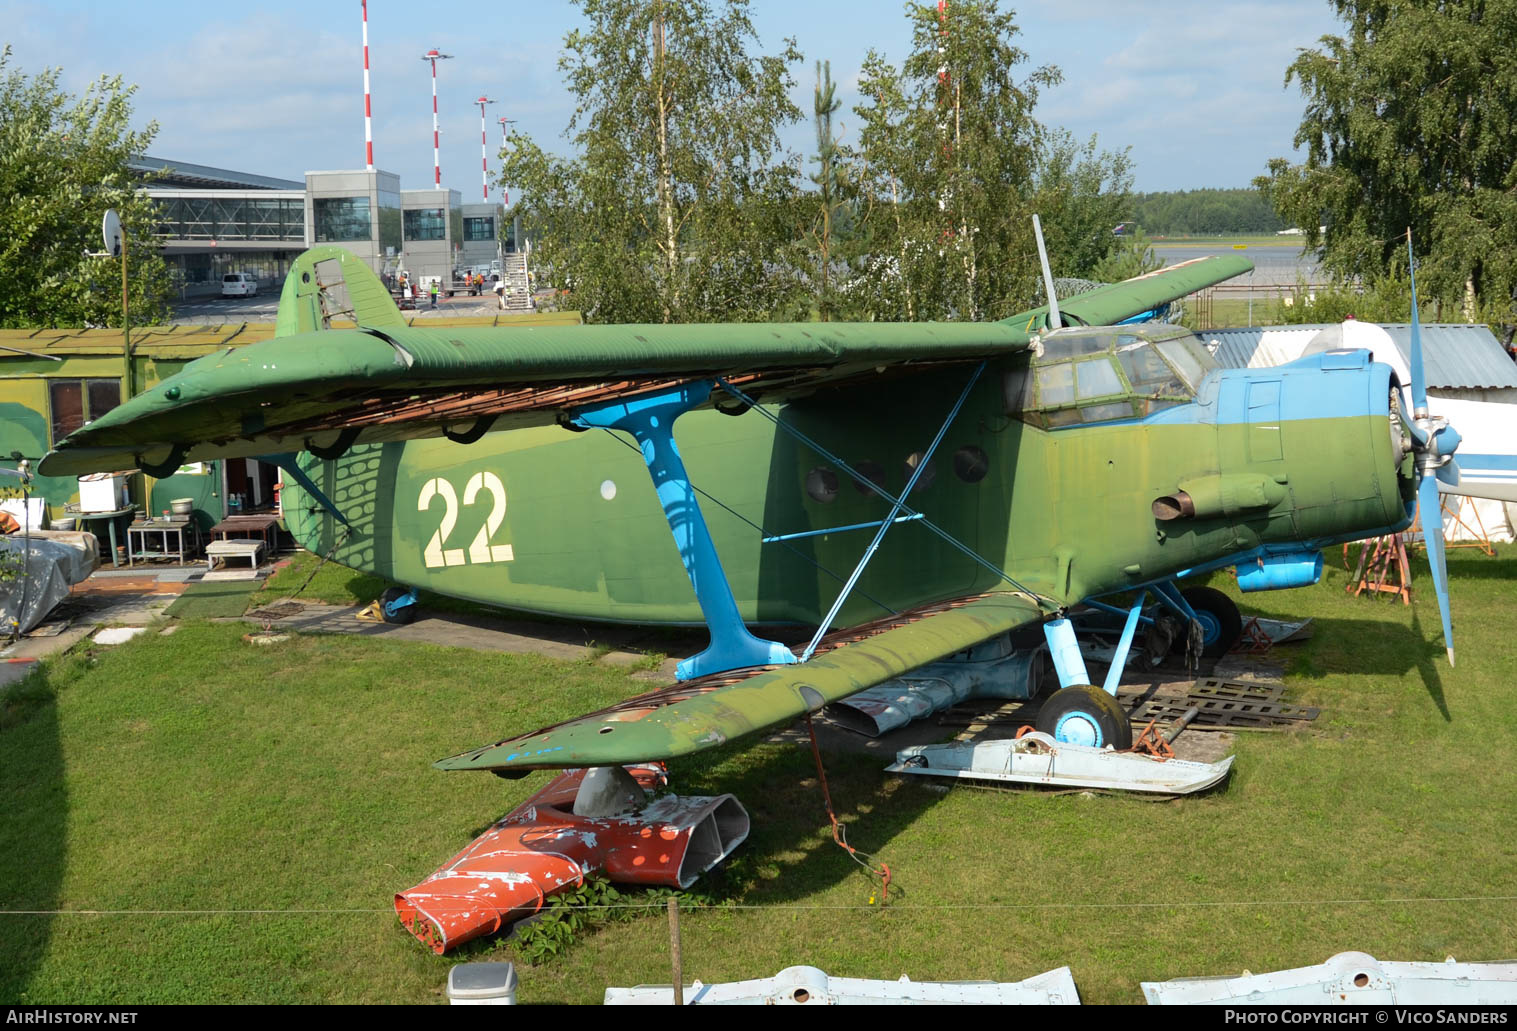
1458,355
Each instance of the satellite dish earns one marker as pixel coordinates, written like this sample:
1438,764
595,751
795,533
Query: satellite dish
110,229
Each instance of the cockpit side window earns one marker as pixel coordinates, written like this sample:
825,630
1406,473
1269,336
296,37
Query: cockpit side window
1105,374
1097,377
1148,373
1056,385
1192,366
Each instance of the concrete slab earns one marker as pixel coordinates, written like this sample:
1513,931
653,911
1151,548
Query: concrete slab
555,640
118,634
42,647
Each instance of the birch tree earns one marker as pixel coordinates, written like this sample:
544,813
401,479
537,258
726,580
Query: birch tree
1411,121
63,162
674,208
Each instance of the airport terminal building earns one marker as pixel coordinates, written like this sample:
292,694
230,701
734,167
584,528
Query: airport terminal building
214,221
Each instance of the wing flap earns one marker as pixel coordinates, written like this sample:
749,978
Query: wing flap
693,717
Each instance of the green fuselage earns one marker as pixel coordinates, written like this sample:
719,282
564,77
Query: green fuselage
567,523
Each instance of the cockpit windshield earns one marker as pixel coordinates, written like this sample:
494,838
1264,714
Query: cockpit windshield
1108,373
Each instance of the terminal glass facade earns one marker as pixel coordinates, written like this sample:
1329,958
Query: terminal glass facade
425,224
476,229
276,219
343,219
390,236
205,270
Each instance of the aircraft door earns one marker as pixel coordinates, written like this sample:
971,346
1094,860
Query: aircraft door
1264,421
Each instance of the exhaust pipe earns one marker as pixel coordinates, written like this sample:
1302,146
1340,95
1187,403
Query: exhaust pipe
929,689
583,822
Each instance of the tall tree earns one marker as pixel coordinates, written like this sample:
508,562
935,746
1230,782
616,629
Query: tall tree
1411,121
956,164
63,162
1081,194
672,212
828,181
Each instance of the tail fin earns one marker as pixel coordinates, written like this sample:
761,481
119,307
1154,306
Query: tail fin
330,282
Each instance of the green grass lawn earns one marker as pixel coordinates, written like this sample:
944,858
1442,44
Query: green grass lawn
253,809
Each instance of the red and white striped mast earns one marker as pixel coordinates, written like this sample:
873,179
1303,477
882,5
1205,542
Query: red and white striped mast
433,56
368,111
484,159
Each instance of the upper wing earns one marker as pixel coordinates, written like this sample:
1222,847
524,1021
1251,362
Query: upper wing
1110,304
713,710
318,389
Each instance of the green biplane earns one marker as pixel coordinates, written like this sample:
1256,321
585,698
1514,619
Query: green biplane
910,490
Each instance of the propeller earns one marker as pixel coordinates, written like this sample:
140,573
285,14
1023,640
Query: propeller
1434,443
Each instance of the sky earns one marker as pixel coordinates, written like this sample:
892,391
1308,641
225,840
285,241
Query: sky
1195,89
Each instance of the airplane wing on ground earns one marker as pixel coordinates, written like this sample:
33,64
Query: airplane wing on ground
324,390
710,711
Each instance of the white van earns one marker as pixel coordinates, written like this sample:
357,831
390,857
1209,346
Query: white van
238,284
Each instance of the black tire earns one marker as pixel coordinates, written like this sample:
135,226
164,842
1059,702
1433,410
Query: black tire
405,615
1103,716
1221,624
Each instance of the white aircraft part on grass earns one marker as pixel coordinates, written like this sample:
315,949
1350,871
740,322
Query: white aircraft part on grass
803,984
1349,979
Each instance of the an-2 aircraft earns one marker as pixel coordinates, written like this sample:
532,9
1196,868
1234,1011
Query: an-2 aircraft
1019,470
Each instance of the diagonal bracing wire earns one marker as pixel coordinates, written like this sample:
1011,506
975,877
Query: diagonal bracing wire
762,532
881,491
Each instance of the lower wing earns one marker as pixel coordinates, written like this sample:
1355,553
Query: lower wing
711,711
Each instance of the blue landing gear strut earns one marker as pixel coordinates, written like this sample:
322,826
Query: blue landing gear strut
1065,649
1079,713
650,420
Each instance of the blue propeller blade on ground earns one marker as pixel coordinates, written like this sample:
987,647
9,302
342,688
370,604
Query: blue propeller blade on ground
1432,534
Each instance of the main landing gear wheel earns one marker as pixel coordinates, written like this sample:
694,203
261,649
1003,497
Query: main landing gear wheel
1085,715
1221,625
405,614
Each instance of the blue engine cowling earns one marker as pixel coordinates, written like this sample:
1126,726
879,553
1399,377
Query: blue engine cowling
1278,572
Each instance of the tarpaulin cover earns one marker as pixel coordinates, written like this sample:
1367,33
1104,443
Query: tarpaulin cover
55,561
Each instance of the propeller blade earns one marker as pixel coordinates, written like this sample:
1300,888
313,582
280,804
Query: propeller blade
1432,533
1419,379
1449,474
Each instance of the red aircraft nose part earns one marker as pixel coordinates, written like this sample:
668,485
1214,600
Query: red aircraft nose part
584,821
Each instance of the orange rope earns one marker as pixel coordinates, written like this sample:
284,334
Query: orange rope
839,832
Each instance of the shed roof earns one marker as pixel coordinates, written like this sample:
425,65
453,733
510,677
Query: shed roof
1457,355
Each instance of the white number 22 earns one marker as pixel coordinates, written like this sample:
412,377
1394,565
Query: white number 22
481,551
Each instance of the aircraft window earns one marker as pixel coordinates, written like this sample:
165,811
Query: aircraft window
1107,412
1159,406
872,471
1097,378
1191,365
1062,417
1056,385
971,464
1148,373
929,474
1067,344
822,484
